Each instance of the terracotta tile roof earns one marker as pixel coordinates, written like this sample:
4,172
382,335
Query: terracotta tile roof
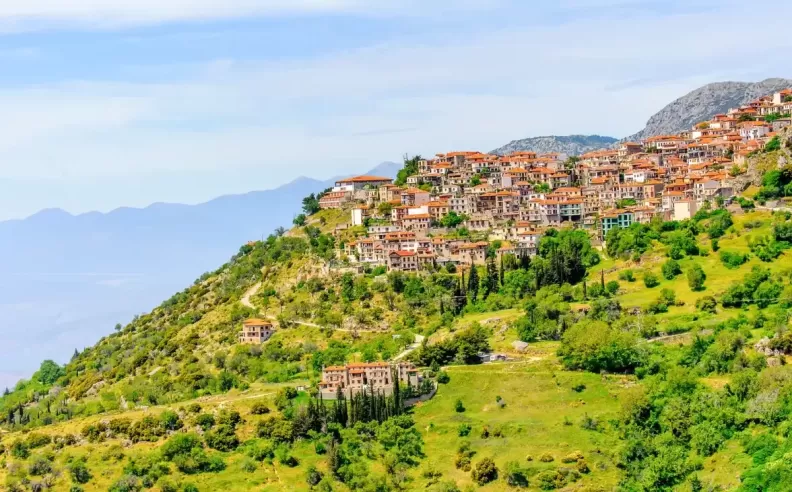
364,179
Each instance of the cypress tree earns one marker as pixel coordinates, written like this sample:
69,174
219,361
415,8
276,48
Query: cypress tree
473,283
602,279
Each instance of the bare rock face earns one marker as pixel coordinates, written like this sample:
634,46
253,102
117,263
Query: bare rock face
568,145
704,103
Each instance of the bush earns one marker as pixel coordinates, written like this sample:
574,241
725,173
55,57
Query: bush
170,420
464,430
627,275
484,472
127,483
594,346
459,407
650,280
260,450
612,287
313,476
248,466
546,458
223,438
732,260
515,475
707,304
670,269
166,485
35,440
259,408
443,377
572,457
40,466
79,471
696,278
188,487
180,445
205,421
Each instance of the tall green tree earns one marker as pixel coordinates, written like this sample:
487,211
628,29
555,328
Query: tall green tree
473,283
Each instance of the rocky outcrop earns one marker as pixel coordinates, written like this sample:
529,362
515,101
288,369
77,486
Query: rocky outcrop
704,103
568,145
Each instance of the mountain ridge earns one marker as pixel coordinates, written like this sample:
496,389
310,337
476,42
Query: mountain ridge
705,102
562,144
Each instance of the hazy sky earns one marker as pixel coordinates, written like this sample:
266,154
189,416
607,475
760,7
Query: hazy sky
126,102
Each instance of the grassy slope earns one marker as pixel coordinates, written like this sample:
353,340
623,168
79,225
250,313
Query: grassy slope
539,398
719,278
538,395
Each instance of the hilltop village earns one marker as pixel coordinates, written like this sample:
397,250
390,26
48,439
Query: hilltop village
455,207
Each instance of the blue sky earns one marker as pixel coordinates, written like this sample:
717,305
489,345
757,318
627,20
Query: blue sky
107,103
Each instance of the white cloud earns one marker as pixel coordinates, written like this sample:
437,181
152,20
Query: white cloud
273,121
21,15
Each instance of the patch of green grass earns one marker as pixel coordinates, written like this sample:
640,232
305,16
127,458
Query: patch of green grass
542,414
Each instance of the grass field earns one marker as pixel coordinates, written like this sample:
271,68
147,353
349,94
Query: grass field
542,414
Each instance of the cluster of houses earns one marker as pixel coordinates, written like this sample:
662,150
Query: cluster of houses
513,198
376,377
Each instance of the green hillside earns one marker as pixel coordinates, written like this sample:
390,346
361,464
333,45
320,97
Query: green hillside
640,372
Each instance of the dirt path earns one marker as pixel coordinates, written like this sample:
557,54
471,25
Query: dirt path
250,292
245,301
417,343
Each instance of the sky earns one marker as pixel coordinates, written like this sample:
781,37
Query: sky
108,103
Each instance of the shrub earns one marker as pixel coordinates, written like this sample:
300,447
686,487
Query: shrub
627,275
127,483
459,407
515,475
732,260
248,466
582,467
443,377
259,408
546,458
170,420
119,427
579,388
313,476
261,450
188,487
223,438
40,466
594,346
35,440
572,457
696,278
612,287
670,269
484,472
205,421
79,471
194,408
650,280
464,430
198,461
166,485
179,445
19,450
707,304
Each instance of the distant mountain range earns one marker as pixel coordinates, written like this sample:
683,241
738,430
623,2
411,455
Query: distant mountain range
569,145
162,236
704,103
65,280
